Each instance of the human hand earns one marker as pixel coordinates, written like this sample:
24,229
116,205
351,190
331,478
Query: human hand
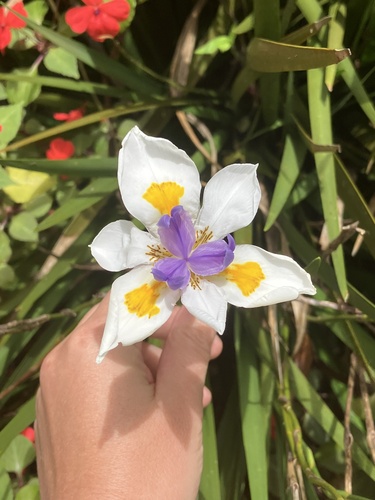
131,427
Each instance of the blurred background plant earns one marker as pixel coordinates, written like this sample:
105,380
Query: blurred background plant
265,81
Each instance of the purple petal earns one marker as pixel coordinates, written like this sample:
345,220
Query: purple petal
174,271
211,258
177,232
231,242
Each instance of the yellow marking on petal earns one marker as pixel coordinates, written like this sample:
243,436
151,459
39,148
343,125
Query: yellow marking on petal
142,300
164,196
246,276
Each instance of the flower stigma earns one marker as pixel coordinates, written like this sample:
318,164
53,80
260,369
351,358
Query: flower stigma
186,255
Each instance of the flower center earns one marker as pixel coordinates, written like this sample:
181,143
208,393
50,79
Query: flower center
187,255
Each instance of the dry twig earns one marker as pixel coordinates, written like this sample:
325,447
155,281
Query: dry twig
367,411
348,437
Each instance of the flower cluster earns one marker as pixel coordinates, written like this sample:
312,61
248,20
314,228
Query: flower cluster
8,22
188,252
70,116
98,18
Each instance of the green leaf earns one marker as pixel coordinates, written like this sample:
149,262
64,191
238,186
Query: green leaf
291,161
253,412
267,56
10,121
355,205
221,43
38,206
81,167
356,87
27,184
37,10
19,454
320,120
318,409
23,226
68,84
29,492
359,341
299,36
3,94
99,61
5,248
306,253
95,118
245,25
91,194
210,479
336,32
61,61
6,489
24,417
313,11
5,180
20,91
7,277
230,449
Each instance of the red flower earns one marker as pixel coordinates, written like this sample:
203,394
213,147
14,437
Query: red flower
72,115
59,149
100,19
29,434
9,21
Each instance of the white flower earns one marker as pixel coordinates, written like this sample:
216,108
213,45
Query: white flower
183,255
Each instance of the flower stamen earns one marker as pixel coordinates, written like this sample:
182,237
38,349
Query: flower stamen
202,236
195,281
157,252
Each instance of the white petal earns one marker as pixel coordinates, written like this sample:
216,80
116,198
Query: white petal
230,200
259,278
139,247
207,304
138,306
154,176
110,245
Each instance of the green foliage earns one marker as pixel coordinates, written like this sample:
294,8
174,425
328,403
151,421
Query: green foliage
19,454
256,81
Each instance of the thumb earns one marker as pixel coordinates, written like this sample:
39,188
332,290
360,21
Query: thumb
183,364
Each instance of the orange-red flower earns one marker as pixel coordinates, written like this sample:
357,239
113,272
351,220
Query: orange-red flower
9,21
72,115
60,149
100,19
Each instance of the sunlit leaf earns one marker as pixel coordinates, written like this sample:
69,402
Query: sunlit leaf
37,10
27,184
320,120
219,44
336,34
61,61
